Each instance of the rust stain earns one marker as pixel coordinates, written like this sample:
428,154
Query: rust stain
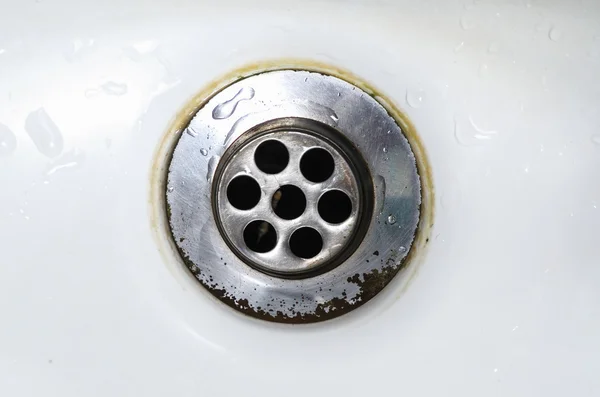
370,284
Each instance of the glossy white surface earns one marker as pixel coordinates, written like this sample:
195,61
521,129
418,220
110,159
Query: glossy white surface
506,97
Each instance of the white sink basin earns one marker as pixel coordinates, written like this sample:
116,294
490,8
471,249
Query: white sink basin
505,96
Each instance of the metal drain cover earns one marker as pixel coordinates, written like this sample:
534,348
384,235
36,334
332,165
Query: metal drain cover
293,196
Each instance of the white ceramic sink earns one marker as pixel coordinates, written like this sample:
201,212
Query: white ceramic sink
505,96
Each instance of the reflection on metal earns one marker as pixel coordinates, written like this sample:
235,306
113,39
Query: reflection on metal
246,223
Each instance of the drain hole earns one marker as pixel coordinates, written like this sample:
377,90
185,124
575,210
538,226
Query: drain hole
335,206
306,243
317,165
289,202
243,192
271,157
260,236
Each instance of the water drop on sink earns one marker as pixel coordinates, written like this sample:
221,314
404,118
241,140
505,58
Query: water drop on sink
190,131
44,133
384,150
227,108
79,47
334,117
469,133
402,249
483,70
554,34
391,219
493,48
112,88
91,92
466,23
204,152
8,141
170,189
212,164
70,160
459,47
140,49
415,98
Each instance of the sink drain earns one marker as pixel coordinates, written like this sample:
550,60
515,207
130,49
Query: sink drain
293,196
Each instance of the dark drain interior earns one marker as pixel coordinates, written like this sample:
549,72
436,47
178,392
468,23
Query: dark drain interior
317,165
271,157
260,236
306,243
335,206
289,202
243,192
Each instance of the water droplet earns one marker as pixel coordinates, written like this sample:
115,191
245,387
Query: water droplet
227,108
389,132
380,188
391,219
91,92
204,152
459,47
8,141
112,88
78,49
596,139
138,50
191,132
466,23
170,189
469,134
339,94
212,164
483,68
44,133
71,159
554,34
415,98
402,249
334,117
493,48
384,150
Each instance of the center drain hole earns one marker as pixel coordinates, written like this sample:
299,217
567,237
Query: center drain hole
335,206
289,202
243,192
260,236
271,157
306,243
317,165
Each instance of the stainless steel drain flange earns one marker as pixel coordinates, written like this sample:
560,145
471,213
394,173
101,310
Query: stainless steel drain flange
293,196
